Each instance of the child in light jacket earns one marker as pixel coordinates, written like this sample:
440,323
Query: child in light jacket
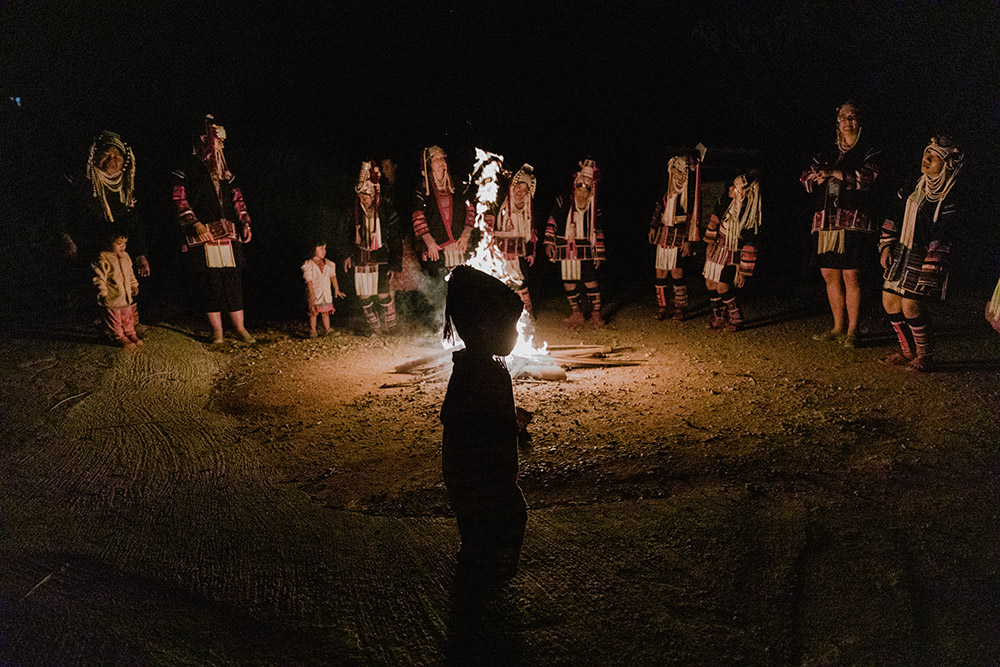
117,288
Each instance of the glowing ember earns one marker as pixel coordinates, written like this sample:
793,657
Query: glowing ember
488,258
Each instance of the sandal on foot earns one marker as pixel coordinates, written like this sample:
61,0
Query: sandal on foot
827,335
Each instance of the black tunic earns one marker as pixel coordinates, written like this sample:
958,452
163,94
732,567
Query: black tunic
86,223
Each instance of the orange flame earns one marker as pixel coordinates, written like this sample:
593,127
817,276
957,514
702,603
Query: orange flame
488,258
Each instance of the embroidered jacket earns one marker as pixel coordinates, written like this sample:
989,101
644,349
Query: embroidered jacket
846,204
672,222
355,242
588,241
444,226
719,250
511,243
926,261
196,200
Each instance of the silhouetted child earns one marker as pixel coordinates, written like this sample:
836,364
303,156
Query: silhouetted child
117,288
321,287
479,449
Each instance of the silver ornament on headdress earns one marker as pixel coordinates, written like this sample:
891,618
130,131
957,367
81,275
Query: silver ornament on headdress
124,185
368,179
430,153
948,150
588,169
526,174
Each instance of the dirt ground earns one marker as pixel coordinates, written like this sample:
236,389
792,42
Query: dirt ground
739,498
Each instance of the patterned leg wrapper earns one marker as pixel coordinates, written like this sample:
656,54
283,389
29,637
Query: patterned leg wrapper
919,327
389,308
368,307
905,337
573,296
734,312
575,319
680,299
595,299
661,285
594,294
717,319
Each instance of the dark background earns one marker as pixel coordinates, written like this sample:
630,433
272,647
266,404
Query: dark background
306,90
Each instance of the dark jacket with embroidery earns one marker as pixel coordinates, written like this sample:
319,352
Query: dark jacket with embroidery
83,219
926,262
195,200
352,242
745,255
848,204
428,219
584,249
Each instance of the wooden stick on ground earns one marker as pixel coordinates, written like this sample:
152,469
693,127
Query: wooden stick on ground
432,376
429,360
46,578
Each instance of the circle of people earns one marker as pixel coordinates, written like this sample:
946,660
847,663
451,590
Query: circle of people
913,240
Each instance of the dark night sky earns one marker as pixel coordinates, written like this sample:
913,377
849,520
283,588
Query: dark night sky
308,89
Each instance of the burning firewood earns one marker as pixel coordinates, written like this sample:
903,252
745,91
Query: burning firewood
550,365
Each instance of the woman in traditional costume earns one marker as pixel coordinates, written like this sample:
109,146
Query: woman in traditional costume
841,180
672,230
213,218
108,204
372,248
514,231
443,220
731,253
914,249
574,238
103,204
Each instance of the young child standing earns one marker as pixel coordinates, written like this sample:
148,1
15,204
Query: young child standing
117,288
321,287
479,448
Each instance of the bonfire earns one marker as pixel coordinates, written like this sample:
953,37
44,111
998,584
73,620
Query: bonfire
527,361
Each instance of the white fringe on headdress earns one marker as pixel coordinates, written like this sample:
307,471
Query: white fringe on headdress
743,213
677,171
931,188
369,229
588,169
214,156
123,184
522,221
429,154
588,232
368,179
526,175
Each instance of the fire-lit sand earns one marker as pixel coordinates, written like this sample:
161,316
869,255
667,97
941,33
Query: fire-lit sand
750,498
